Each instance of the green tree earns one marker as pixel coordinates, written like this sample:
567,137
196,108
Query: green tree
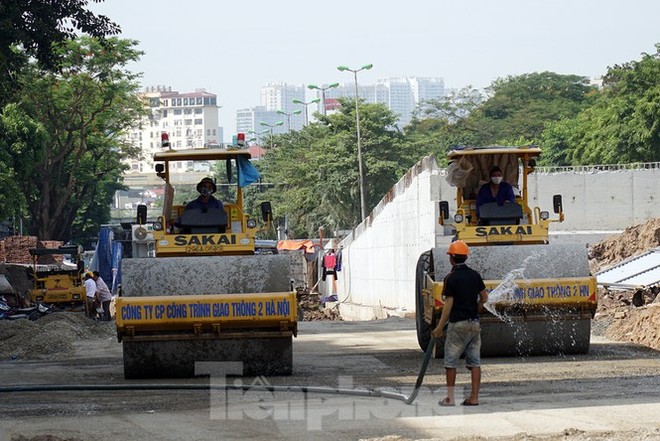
517,111
18,134
521,106
315,170
29,28
453,107
441,124
623,125
68,149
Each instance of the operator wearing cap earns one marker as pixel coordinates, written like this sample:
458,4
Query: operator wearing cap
464,294
206,188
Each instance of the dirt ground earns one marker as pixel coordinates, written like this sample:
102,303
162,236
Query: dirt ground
609,394
597,396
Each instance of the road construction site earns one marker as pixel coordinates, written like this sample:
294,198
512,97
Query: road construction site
610,393
189,366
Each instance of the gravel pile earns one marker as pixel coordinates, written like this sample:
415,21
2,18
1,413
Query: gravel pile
52,336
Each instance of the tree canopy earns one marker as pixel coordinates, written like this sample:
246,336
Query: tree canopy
63,138
315,170
29,28
622,125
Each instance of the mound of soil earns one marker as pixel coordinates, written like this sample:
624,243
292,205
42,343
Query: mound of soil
633,241
312,309
638,325
52,336
629,315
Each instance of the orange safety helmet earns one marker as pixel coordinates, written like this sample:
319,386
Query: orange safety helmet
458,247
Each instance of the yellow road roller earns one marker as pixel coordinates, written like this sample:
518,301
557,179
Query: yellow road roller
197,289
542,295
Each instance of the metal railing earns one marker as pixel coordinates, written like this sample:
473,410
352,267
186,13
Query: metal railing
598,167
588,168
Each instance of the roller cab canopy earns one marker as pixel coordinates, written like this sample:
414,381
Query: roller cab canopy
206,231
200,155
479,161
493,224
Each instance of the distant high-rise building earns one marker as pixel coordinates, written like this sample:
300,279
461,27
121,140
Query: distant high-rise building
249,121
190,120
346,90
400,95
275,97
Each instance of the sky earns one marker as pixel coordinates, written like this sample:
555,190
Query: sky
234,48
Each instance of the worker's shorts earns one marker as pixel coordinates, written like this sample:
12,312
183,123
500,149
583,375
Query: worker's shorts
463,337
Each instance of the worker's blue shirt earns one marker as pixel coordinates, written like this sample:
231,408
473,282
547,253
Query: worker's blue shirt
504,194
197,203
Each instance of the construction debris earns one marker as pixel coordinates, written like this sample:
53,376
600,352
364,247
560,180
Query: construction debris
631,315
312,308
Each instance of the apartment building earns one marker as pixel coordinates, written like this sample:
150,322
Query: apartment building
401,95
190,119
276,105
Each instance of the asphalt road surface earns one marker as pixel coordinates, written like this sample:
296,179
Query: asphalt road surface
611,393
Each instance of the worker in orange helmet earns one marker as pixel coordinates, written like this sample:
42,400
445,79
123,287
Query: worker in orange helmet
464,295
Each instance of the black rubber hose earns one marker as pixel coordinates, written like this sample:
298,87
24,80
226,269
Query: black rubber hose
246,387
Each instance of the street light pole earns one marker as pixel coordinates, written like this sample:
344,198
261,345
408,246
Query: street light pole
363,205
305,104
322,89
271,127
288,116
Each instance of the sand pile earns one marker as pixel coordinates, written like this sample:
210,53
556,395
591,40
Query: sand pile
633,241
52,336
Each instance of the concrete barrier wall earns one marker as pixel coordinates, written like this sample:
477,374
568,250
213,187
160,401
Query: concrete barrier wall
593,199
600,200
379,257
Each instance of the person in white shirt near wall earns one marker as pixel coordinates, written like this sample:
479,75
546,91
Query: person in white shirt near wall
90,291
104,295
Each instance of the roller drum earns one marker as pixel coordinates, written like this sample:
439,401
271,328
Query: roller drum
556,330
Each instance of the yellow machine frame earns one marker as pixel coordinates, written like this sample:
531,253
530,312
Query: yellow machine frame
206,315
239,237
57,286
533,293
139,319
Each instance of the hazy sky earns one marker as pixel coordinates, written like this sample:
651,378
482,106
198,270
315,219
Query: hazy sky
232,48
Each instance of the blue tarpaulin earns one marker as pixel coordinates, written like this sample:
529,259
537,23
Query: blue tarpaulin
117,251
103,255
247,173
107,259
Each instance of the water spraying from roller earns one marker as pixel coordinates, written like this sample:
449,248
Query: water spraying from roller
505,292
